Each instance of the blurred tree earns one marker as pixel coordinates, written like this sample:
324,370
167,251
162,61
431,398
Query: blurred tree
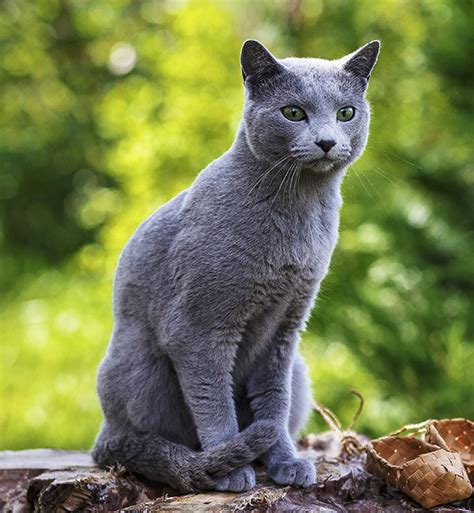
49,149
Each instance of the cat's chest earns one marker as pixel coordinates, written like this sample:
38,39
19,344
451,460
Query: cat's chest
284,287
301,250
279,297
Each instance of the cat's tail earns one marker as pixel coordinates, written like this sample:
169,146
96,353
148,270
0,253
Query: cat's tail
158,459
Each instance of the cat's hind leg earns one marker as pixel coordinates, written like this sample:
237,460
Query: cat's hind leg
301,397
158,459
151,456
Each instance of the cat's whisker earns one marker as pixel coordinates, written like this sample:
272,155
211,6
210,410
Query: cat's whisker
361,182
287,172
381,173
267,171
262,177
288,189
291,180
372,186
392,153
294,181
283,181
298,178
278,172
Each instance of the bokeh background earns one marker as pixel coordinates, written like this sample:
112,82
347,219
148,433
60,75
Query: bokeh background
108,108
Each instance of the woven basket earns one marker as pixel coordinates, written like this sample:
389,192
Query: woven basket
454,435
429,475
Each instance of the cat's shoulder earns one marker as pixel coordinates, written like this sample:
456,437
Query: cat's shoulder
156,232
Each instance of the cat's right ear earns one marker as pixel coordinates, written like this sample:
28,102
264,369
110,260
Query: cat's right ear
257,62
361,62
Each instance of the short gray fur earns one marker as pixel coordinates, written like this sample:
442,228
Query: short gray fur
202,374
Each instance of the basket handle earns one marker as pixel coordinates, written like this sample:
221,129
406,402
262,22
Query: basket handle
350,445
412,429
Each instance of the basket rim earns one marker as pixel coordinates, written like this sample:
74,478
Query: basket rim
434,429
391,466
433,422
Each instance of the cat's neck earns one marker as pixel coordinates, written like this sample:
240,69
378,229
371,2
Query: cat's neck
280,183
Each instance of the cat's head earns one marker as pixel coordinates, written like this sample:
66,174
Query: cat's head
311,110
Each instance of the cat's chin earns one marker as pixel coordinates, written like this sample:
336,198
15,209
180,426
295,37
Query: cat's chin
323,165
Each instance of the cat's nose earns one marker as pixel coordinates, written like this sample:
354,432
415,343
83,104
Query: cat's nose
326,144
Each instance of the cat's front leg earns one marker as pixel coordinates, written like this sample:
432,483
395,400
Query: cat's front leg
269,392
204,369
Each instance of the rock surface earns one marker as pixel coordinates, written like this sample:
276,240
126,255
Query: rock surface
47,481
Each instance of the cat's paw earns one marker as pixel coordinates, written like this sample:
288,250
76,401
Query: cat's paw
296,472
239,480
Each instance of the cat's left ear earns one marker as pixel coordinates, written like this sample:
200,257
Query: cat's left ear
361,62
257,62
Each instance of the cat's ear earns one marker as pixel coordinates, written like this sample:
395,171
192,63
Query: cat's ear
361,62
257,62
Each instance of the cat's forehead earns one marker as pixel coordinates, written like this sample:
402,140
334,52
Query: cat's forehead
311,77
310,65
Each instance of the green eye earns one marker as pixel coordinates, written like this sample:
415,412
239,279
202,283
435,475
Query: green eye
345,113
294,113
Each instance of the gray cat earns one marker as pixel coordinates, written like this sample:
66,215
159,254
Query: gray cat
202,374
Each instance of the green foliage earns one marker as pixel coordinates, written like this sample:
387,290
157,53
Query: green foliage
110,107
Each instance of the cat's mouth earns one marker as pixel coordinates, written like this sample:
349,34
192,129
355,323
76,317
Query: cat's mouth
311,160
327,163
321,163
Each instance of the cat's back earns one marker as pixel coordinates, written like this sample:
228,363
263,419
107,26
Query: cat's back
145,253
156,232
